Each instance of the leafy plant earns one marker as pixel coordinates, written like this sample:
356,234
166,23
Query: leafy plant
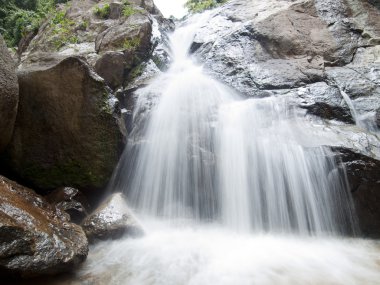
103,11
128,11
20,17
197,6
62,28
130,44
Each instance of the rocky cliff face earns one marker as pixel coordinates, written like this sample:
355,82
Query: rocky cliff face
69,127
324,57
8,95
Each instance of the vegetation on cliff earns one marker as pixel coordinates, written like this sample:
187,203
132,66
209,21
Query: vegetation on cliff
196,6
20,17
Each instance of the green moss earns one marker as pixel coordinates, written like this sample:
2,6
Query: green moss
103,12
131,44
71,172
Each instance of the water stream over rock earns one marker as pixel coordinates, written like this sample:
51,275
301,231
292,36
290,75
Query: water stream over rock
229,190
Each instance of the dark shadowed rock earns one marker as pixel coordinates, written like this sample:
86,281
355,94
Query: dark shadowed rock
111,220
65,133
8,95
363,174
35,238
71,201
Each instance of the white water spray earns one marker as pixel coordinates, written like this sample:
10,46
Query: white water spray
229,191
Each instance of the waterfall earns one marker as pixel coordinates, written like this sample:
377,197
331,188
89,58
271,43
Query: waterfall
203,152
230,191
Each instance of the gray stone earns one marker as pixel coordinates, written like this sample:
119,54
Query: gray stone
111,220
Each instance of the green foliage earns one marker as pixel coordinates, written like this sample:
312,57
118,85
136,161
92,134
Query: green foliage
103,11
197,6
128,11
62,28
20,17
130,44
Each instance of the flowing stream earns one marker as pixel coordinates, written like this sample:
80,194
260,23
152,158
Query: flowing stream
230,191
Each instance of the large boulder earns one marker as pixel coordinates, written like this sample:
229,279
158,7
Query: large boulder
35,238
65,132
8,95
112,219
275,45
100,32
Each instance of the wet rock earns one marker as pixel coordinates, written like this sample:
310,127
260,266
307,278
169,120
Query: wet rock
35,238
65,133
8,95
363,174
325,101
71,201
111,220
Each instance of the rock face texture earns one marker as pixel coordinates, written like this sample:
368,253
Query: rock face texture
106,33
35,238
65,133
324,58
112,219
8,95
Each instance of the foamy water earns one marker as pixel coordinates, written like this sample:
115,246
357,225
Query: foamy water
196,255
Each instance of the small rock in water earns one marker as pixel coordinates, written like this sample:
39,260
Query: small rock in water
71,201
111,220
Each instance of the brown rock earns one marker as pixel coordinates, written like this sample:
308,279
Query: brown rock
8,95
35,238
113,67
71,201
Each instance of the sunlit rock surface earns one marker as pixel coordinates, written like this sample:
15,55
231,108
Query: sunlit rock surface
36,238
111,220
320,56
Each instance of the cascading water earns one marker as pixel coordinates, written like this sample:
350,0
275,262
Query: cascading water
208,154
230,191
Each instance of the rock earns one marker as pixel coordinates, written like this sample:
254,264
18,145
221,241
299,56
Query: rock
35,238
127,29
326,101
111,220
65,133
8,95
113,67
363,174
378,117
116,8
71,201
133,34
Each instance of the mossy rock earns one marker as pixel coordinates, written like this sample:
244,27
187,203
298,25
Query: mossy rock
65,132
